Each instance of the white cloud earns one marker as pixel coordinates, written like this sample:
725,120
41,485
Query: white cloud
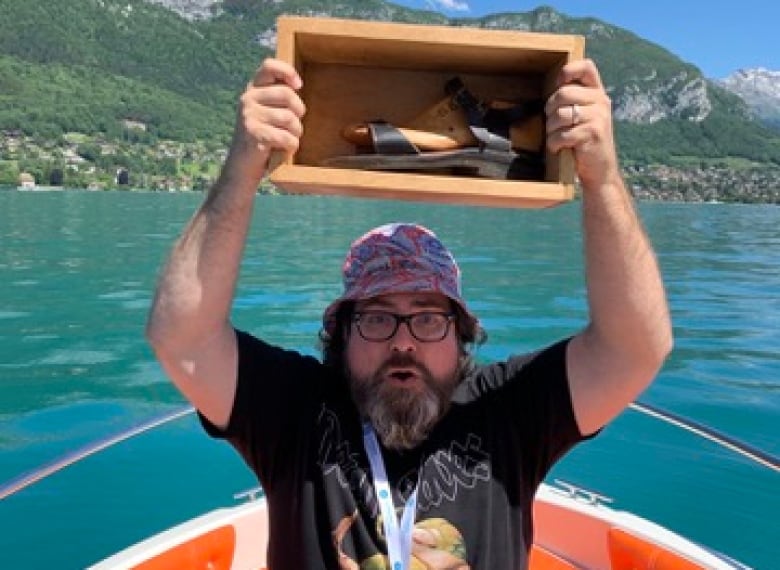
449,5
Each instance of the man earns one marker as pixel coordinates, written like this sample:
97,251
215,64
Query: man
398,451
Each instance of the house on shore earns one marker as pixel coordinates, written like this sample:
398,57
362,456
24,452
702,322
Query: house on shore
26,181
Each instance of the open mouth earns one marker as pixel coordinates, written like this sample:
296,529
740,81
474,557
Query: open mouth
402,375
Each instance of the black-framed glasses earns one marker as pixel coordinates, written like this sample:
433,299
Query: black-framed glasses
425,326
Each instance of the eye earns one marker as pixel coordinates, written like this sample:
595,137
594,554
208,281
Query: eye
376,319
428,319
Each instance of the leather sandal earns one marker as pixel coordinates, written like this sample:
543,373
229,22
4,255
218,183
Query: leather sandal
460,134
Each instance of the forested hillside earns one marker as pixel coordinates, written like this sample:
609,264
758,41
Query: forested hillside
89,87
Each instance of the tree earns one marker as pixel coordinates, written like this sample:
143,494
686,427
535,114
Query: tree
89,151
9,173
56,176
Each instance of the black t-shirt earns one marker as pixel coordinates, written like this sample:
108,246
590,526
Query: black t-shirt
294,423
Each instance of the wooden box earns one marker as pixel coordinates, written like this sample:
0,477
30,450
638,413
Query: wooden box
354,71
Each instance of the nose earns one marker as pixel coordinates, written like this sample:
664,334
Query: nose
402,340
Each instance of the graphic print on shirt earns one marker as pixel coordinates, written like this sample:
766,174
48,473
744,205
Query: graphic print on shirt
339,461
437,544
448,471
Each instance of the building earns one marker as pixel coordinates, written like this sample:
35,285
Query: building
26,181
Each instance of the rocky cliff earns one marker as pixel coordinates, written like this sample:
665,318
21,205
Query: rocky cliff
760,89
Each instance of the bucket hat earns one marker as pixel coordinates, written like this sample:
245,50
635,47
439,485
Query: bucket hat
397,258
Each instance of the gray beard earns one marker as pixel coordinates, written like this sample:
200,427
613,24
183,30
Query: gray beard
402,419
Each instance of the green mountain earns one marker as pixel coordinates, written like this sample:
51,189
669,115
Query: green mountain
137,71
665,110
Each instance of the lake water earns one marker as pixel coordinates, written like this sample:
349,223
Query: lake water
77,271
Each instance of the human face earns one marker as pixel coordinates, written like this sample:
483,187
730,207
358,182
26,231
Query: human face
403,385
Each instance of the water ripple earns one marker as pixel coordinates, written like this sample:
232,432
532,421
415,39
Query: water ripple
13,314
79,357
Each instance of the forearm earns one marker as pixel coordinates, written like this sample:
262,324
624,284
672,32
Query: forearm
197,285
629,333
195,291
189,324
628,307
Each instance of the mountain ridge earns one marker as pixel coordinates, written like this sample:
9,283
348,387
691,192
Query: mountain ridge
203,51
766,109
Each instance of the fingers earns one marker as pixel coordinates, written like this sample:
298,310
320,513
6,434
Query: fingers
579,117
582,71
272,116
572,105
570,136
270,110
579,110
268,119
571,124
277,71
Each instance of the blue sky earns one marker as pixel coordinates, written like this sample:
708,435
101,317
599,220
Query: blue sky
718,37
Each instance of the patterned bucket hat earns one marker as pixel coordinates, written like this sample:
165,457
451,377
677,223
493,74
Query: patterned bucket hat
397,258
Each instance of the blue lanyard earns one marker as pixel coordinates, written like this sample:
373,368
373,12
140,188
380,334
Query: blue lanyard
399,539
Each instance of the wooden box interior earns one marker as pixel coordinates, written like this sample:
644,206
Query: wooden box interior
355,71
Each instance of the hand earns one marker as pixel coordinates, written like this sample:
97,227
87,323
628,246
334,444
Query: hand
579,117
268,119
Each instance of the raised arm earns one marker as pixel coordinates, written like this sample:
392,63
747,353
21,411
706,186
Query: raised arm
629,334
189,323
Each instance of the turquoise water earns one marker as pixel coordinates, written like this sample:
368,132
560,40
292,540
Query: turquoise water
77,271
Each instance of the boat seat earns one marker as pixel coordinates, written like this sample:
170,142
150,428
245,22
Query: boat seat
542,559
630,552
212,550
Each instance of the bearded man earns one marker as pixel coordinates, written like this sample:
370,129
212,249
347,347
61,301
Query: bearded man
397,450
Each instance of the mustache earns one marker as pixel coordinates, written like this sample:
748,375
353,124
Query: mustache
402,360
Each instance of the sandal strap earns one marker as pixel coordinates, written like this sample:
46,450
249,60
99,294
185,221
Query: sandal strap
491,127
474,108
389,140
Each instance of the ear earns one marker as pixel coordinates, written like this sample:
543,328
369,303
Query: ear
465,366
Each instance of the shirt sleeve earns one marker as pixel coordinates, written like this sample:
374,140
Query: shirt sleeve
275,393
532,393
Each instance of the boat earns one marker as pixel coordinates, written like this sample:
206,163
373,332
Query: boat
575,528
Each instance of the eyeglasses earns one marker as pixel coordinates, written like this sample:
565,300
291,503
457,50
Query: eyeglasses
426,326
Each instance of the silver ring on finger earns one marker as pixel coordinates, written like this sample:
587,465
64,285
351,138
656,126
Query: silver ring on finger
575,114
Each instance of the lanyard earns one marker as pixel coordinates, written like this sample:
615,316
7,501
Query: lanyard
399,539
